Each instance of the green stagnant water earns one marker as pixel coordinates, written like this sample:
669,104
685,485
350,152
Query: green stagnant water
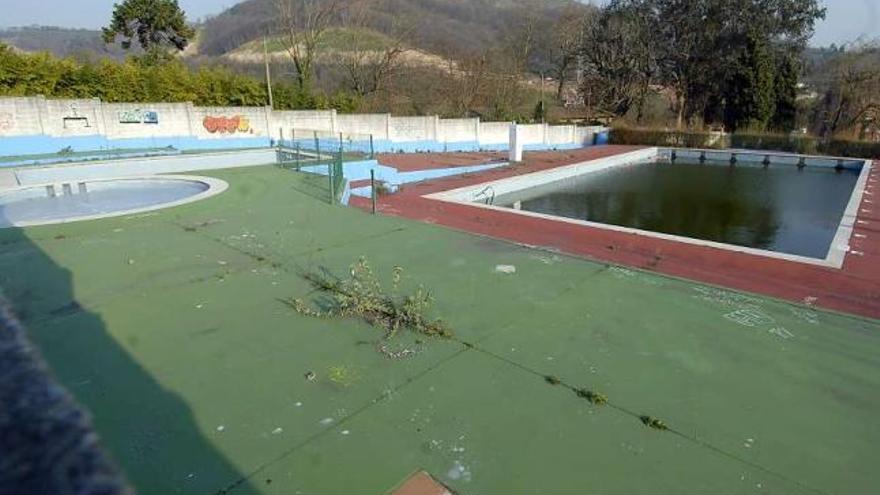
779,208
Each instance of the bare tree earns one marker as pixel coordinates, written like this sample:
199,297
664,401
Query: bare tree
466,84
370,58
302,24
617,62
509,65
852,101
560,39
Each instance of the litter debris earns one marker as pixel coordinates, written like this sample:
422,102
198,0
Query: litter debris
326,421
310,376
298,404
345,432
221,428
781,333
508,269
459,472
277,431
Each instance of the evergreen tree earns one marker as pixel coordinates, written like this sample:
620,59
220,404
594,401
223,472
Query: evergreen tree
750,93
787,76
157,25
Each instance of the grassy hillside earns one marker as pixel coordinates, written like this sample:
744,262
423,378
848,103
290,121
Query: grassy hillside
447,28
335,40
440,26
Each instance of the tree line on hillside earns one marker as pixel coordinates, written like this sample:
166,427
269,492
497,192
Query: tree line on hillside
440,26
732,62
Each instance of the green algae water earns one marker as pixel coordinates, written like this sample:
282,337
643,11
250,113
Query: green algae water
778,208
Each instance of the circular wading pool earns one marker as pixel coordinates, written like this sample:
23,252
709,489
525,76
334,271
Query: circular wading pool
101,198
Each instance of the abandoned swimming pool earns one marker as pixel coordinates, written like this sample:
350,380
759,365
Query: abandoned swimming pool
87,200
787,206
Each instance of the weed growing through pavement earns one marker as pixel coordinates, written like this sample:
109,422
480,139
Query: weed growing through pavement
360,295
652,422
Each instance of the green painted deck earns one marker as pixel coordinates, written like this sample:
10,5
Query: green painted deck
168,327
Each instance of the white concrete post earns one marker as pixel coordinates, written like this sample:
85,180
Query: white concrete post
516,144
477,132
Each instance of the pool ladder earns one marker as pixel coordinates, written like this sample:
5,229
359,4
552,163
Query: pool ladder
489,200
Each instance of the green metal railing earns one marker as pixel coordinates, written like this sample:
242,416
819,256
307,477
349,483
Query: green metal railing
291,156
336,172
311,150
317,143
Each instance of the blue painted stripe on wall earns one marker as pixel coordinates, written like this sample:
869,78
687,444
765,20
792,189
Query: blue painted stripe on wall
32,145
35,145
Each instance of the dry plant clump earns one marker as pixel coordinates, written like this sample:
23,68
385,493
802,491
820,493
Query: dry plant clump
360,295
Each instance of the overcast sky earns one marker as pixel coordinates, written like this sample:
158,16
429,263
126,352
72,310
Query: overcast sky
847,19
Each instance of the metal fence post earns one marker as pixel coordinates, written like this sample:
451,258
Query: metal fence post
298,157
332,188
317,145
373,188
372,152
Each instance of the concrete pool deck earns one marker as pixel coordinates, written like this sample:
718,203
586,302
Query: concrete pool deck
168,327
854,288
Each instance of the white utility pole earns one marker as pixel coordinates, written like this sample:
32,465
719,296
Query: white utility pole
268,74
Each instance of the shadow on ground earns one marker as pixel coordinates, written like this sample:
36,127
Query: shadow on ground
140,416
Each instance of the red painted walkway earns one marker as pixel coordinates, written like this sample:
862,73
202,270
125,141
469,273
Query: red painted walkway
408,162
853,289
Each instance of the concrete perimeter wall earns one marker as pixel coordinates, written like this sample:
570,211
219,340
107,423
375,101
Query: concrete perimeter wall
36,125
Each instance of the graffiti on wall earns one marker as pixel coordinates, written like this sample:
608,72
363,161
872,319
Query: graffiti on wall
227,125
6,121
138,116
409,127
73,119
